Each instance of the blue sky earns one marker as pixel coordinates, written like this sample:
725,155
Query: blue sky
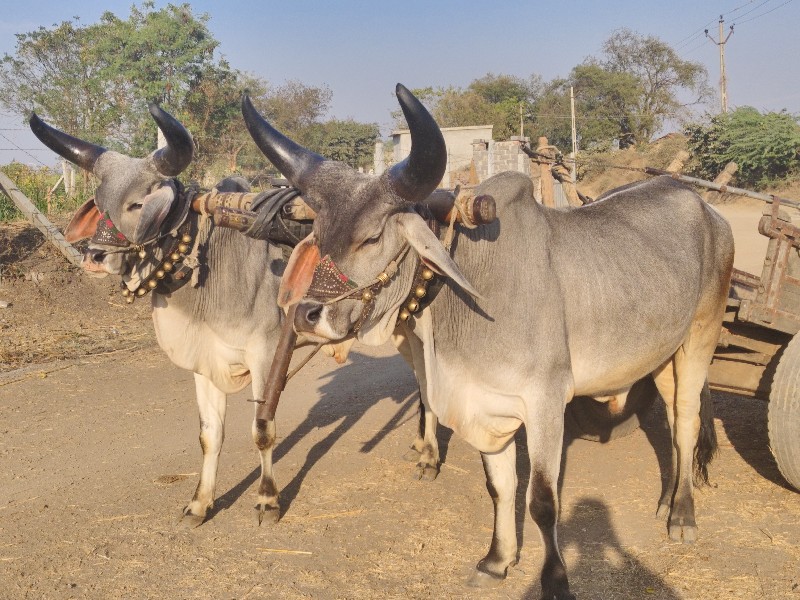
360,49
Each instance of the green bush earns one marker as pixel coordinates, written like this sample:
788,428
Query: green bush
35,183
765,146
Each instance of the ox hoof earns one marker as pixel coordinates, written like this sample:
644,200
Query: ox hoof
268,513
683,533
663,511
558,596
424,472
479,579
412,455
189,520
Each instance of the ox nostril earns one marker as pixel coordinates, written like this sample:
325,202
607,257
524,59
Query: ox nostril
95,255
308,315
313,314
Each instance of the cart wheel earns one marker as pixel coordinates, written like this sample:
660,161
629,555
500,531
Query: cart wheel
784,414
591,420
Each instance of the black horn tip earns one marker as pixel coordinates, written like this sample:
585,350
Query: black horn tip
176,156
82,153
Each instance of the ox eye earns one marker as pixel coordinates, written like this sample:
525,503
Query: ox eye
371,241
135,206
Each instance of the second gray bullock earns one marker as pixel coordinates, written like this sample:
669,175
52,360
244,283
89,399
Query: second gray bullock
538,307
226,327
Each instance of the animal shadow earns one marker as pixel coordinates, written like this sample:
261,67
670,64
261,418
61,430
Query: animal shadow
603,568
347,395
745,423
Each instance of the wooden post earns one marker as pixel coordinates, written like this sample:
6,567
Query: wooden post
564,175
721,179
546,177
39,221
677,164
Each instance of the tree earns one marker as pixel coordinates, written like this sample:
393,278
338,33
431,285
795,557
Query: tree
604,104
765,146
94,81
495,100
662,77
50,72
347,141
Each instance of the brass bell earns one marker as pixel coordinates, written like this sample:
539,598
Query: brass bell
186,238
152,284
126,292
182,248
367,296
427,274
141,291
175,257
413,306
167,266
404,314
160,274
142,253
420,291
130,299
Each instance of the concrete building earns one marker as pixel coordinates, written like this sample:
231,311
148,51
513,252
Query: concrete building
458,140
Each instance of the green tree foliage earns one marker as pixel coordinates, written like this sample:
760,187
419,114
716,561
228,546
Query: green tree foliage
35,183
662,77
492,99
347,141
627,94
50,72
95,81
765,146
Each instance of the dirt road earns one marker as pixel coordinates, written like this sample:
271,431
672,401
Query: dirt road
99,454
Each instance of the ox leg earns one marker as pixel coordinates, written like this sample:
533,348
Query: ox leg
268,505
501,482
664,379
690,365
425,448
212,403
545,431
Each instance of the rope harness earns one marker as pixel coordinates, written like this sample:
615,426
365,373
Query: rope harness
186,234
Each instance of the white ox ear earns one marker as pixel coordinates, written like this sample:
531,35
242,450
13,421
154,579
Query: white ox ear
428,246
155,208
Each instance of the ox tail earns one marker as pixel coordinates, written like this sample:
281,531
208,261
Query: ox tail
707,445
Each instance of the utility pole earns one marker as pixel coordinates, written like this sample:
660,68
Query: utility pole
573,168
723,80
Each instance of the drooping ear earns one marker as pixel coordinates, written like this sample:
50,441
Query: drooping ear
299,271
83,223
155,208
430,249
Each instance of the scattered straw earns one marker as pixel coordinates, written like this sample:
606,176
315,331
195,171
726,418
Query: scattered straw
282,551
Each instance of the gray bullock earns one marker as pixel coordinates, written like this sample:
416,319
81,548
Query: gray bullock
538,307
224,326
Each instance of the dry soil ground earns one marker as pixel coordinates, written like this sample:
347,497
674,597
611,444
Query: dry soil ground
99,452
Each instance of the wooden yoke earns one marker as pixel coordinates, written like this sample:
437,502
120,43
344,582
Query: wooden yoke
232,209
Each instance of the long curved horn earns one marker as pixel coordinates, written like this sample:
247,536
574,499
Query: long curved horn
420,173
173,158
84,154
296,163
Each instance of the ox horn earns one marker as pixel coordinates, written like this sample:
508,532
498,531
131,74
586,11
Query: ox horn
420,173
173,158
296,163
84,154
